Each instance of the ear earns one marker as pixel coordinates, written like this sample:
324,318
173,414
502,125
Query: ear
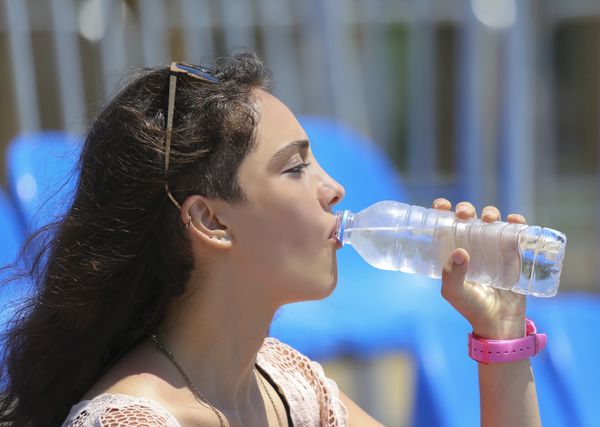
205,221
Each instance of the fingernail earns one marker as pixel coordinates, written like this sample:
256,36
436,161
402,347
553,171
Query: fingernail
487,213
458,258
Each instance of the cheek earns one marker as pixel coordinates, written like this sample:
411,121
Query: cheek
288,258
290,230
289,217
301,225
283,236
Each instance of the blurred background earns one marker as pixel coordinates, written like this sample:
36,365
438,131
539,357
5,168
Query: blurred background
491,101
496,102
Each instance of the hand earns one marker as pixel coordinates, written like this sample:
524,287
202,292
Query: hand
493,313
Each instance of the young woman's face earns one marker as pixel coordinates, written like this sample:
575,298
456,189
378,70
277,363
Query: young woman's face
282,235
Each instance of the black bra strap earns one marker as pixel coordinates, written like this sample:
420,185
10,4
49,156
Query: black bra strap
278,390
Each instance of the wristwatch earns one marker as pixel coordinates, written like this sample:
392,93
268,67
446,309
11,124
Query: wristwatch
488,351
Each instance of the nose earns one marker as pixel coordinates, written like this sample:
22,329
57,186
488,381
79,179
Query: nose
331,192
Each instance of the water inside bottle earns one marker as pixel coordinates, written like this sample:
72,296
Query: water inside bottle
529,264
391,248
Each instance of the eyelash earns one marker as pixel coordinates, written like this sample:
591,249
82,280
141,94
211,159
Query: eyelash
297,169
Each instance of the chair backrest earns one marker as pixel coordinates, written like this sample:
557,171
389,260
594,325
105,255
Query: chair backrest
447,379
355,161
42,175
11,230
571,320
41,171
11,238
371,310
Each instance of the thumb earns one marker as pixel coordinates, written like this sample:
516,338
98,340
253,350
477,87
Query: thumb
453,275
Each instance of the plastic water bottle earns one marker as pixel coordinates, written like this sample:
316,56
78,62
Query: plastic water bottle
395,236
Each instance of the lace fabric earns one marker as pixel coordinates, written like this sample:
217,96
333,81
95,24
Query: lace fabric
312,397
108,410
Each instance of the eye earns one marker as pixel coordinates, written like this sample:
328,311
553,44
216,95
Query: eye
296,170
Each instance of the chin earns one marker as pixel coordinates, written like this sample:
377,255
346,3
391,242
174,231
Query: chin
312,291
331,287
322,290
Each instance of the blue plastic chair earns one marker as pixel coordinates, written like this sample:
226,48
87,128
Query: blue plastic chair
11,230
11,238
42,175
447,379
371,311
41,178
571,321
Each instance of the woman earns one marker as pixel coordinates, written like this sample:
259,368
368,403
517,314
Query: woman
200,210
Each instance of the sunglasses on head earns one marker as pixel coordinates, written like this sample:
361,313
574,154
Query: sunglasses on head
176,70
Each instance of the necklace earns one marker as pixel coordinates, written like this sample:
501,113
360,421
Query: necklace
199,397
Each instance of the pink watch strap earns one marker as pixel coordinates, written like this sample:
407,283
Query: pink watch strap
497,351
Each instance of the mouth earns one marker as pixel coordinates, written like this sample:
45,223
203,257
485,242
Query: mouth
333,235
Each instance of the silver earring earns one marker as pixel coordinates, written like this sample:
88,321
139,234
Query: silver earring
189,222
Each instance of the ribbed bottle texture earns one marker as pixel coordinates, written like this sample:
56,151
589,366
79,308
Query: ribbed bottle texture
395,236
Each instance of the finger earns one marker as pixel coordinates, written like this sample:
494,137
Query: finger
453,276
465,210
516,219
441,203
490,214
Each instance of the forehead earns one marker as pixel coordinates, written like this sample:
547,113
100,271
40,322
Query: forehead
277,126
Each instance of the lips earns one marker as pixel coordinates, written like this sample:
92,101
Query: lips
333,235
333,230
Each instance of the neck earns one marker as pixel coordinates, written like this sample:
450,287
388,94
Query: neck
215,332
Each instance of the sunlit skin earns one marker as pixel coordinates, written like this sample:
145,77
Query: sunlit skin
252,257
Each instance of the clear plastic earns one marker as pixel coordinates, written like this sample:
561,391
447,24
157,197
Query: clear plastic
395,236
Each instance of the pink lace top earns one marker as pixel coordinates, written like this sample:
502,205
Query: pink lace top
312,397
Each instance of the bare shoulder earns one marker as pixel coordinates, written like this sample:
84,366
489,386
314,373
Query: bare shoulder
357,417
139,374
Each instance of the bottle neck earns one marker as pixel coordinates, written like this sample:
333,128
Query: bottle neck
344,220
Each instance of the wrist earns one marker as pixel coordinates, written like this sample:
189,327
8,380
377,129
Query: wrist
507,329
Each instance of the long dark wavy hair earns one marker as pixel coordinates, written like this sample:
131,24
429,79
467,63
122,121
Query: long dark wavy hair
108,269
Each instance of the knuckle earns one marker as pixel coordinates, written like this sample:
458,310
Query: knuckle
465,208
441,202
518,218
490,211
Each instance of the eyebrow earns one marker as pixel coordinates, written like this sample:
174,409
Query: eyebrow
283,153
